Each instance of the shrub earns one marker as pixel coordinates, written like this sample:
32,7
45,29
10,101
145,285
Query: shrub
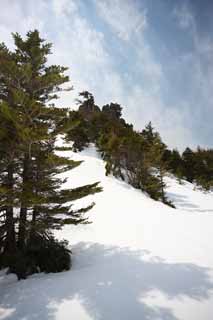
41,255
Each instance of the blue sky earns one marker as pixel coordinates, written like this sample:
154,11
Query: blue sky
154,57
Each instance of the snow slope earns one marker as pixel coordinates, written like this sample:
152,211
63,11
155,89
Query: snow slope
139,259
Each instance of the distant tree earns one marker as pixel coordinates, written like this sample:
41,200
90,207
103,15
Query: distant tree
150,135
112,110
78,131
188,164
87,106
134,157
174,162
203,168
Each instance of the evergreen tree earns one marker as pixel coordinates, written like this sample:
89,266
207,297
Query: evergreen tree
78,131
87,106
137,158
175,163
188,164
149,135
112,110
9,151
29,180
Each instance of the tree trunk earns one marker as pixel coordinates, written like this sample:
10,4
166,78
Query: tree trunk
162,185
33,224
23,211
10,240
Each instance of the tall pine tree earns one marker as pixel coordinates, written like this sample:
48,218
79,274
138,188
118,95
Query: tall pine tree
31,123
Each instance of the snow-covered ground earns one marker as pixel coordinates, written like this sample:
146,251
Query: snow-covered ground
139,259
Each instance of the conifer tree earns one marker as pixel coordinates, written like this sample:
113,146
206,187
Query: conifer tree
78,131
112,110
188,164
29,182
87,106
9,151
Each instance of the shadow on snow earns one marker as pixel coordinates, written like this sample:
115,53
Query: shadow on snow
110,283
184,203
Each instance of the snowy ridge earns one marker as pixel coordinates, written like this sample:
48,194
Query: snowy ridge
139,259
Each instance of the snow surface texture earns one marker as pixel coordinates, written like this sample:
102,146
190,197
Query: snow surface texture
139,259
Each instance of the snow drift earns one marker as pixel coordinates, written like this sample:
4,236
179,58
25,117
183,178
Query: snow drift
139,259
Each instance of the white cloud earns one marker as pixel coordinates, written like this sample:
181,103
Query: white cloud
184,16
200,69
145,106
85,50
15,17
123,16
78,45
64,7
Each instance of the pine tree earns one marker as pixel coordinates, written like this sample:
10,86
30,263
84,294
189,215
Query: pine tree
87,106
188,164
31,120
112,110
78,131
9,151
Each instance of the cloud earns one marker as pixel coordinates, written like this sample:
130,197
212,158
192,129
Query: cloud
76,43
64,7
184,16
81,47
14,17
145,106
124,17
116,60
93,65
197,65
142,99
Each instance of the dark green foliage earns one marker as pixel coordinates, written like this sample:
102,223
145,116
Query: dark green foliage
78,133
188,164
194,166
131,156
87,106
20,264
174,162
156,150
51,255
112,110
29,165
63,148
41,254
203,168
142,159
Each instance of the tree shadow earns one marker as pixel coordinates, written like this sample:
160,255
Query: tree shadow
110,282
184,203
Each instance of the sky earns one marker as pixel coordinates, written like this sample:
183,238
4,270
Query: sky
154,57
